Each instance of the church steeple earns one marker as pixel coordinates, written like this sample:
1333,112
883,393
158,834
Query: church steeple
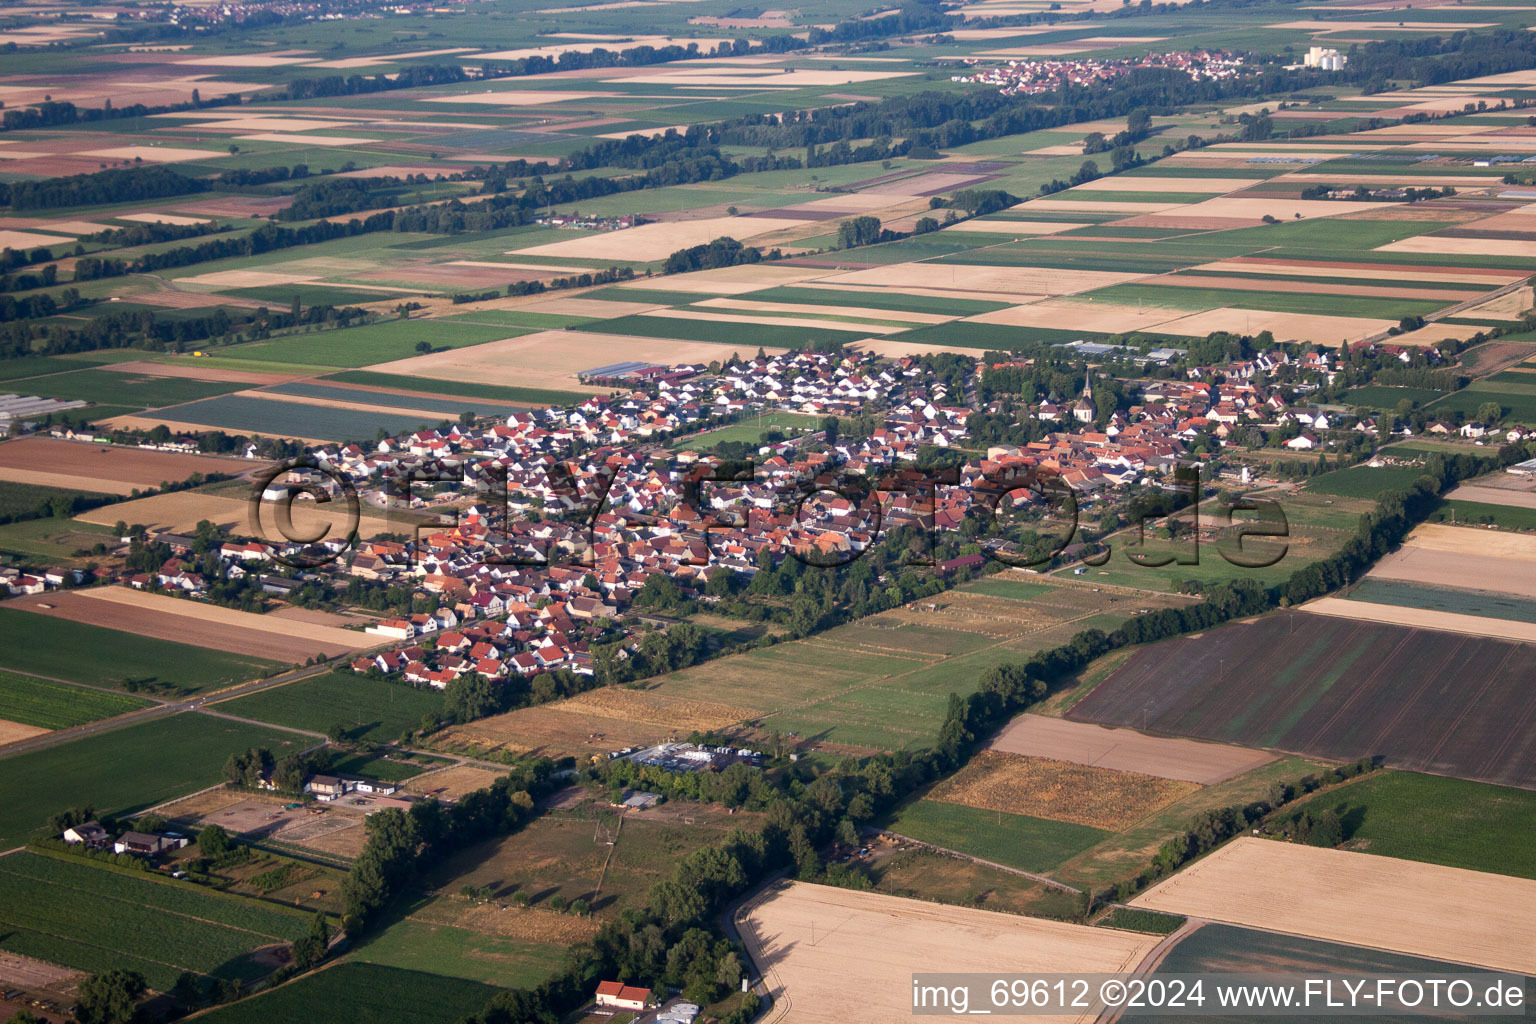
1083,409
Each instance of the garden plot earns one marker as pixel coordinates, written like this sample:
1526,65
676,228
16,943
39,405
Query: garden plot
826,953
1127,750
1421,909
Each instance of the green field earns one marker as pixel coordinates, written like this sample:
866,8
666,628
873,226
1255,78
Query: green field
82,653
24,499
1364,481
1435,819
1518,401
748,431
73,913
370,343
432,386
1149,921
461,953
1507,517
1376,397
251,414
125,770
109,387
51,541
1444,599
1013,840
360,993
50,705
373,710
1001,586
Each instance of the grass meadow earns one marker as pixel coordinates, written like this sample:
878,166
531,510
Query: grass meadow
1014,840
373,710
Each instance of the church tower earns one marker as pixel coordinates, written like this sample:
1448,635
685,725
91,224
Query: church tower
1083,410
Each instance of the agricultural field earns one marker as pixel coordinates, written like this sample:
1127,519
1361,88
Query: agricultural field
102,468
372,710
173,754
1434,819
1012,840
915,873
25,499
1223,947
1058,790
566,853
844,970
1422,699
1399,905
98,656
460,953
1125,750
362,992
74,913
881,683
52,705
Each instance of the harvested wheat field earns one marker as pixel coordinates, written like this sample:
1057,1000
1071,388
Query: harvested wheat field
1372,271
1141,183
544,731
1424,618
1017,281
1461,246
1090,205
1185,280
1058,790
833,955
551,358
180,512
1427,910
851,311
1126,750
1079,315
103,468
1483,559
649,707
658,241
1018,227
284,636
748,277
1329,331
10,732
1509,306
774,321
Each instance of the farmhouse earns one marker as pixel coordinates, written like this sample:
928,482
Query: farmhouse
89,833
147,844
616,995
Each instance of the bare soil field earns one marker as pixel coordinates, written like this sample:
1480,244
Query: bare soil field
551,358
285,635
10,732
1329,331
77,606
1058,790
181,511
1424,618
1016,281
104,468
1337,688
451,783
1427,910
1493,496
1126,750
832,955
